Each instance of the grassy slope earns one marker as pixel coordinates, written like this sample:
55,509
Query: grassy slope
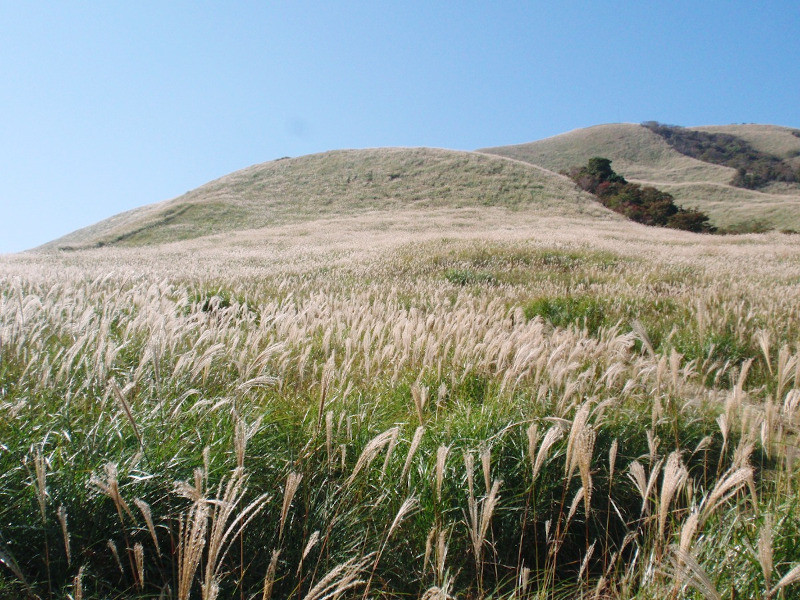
515,328
340,183
637,153
643,157
772,139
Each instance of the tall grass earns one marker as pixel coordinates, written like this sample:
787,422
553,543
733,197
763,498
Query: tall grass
377,429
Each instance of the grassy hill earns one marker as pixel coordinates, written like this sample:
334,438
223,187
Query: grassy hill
643,157
340,184
346,183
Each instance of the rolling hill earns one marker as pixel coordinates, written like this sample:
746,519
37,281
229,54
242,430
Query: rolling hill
347,184
642,156
340,184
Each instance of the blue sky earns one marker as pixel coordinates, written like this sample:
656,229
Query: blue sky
105,106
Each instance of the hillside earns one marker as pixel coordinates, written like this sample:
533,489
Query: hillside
643,157
783,142
523,178
341,184
330,390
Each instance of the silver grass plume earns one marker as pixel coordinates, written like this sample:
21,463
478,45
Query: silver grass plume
371,450
148,519
269,578
441,458
340,579
765,550
62,519
292,484
674,477
415,441
551,437
688,570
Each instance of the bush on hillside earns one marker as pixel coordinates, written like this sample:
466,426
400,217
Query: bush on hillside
646,205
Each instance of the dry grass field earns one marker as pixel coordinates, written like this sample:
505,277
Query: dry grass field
436,402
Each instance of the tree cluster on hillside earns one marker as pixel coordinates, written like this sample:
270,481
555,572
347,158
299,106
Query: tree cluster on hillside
646,205
754,168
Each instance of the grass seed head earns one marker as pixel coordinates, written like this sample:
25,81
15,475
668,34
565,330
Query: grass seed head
41,483
441,459
673,479
269,578
765,550
371,450
144,508
138,553
412,449
551,437
61,513
292,485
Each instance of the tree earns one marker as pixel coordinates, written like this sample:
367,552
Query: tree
691,220
600,168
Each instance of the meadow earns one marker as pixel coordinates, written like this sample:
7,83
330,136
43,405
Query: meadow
474,403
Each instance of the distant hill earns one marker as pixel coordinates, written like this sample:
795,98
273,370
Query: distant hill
525,177
642,156
341,183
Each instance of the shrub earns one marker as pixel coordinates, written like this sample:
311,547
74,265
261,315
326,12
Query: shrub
752,226
564,311
646,205
690,220
469,277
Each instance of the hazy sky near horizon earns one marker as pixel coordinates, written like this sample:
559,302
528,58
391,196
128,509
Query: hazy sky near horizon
106,106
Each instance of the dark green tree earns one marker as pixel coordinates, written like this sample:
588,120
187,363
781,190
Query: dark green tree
600,168
646,205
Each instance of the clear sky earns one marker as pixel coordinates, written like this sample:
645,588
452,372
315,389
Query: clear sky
106,106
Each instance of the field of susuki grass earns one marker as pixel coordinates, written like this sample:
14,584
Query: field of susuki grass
503,406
